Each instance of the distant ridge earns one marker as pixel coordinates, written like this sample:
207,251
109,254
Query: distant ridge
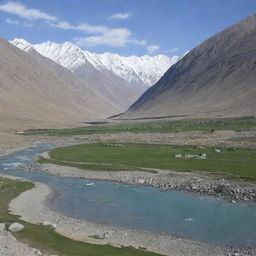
217,78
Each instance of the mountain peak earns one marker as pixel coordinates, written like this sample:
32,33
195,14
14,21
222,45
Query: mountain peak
70,45
20,40
22,44
145,69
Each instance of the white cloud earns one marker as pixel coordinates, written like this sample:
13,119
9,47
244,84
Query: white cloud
113,37
16,22
120,16
152,48
20,10
139,42
62,25
97,35
11,21
172,50
82,27
27,24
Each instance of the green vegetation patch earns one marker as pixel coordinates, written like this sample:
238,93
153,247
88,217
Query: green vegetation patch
244,139
163,126
45,238
94,166
232,161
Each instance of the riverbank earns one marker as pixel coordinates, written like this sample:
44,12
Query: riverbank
32,206
201,183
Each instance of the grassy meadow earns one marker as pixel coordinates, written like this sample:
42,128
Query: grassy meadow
239,162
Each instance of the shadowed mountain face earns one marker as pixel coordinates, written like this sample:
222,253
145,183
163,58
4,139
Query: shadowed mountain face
216,78
37,92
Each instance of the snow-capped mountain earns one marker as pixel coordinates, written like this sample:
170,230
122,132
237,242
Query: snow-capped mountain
136,70
150,68
104,82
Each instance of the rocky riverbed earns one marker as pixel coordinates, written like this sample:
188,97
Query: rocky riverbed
163,179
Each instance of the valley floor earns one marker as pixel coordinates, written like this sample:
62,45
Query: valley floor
90,232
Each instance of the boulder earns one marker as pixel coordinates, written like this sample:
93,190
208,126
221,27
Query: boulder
2,227
15,227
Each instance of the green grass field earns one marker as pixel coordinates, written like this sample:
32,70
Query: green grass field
239,162
45,238
243,123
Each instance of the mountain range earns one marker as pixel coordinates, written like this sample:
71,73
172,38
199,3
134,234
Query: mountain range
217,78
119,79
55,85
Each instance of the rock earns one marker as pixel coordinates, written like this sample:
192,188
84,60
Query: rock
37,252
48,223
2,227
106,235
15,227
140,181
202,156
178,156
217,150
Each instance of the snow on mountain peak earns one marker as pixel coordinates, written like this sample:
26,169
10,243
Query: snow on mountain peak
136,70
22,44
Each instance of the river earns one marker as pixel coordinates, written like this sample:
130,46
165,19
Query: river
191,216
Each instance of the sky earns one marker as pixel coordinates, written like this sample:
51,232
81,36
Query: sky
126,27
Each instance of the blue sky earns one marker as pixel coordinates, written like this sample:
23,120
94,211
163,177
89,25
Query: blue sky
126,27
